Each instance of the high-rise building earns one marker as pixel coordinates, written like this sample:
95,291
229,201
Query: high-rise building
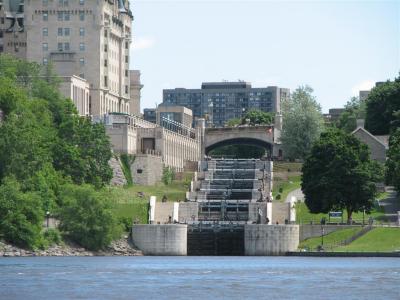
219,102
89,39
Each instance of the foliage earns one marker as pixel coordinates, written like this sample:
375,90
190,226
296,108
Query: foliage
282,188
21,216
52,236
238,151
126,162
259,117
338,174
382,104
86,217
354,109
302,123
168,175
393,161
234,122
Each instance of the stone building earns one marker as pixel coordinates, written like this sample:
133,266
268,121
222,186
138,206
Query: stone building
378,144
135,88
89,39
175,113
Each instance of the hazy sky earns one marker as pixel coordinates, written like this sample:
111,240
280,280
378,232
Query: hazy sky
336,47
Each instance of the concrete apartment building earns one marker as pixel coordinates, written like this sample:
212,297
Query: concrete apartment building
219,102
86,41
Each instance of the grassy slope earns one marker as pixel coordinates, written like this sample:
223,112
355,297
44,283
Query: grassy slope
129,204
377,240
303,215
290,181
291,184
331,240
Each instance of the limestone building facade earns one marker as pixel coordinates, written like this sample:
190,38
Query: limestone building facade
89,39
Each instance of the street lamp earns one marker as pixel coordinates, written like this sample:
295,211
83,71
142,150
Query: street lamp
47,218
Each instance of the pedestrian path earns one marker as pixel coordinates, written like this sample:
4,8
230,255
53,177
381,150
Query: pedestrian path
297,193
391,205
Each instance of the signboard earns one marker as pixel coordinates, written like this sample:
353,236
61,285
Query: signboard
335,214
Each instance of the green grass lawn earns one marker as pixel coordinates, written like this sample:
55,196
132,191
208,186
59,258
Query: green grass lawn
331,240
287,166
303,216
377,240
291,184
129,203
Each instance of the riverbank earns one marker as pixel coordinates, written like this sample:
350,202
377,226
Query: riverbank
122,247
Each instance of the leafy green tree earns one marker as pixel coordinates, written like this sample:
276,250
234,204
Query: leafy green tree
383,103
302,123
234,122
354,109
339,174
86,217
258,117
393,161
21,215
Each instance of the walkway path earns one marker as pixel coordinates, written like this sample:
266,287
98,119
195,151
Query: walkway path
297,193
391,205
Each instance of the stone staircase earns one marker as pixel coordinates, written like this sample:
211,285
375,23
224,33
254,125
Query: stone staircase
118,175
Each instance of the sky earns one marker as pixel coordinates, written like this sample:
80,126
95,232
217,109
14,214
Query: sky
336,47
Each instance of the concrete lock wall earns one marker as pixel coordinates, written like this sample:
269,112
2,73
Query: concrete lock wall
168,239
270,239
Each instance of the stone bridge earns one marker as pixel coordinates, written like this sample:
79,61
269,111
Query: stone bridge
263,136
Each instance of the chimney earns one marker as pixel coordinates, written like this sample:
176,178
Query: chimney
360,123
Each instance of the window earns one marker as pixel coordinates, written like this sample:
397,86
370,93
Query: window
1,33
82,31
45,16
45,46
126,45
105,48
82,2
67,31
2,20
60,32
45,61
60,16
45,32
126,73
105,33
66,47
126,58
82,46
60,46
105,63
82,61
126,89
45,2
66,16
105,81
82,16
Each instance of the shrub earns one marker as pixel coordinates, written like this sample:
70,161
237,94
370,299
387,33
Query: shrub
52,236
278,197
168,175
86,217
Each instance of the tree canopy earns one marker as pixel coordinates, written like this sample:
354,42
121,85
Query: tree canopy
393,161
382,107
44,145
354,109
339,174
253,117
302,123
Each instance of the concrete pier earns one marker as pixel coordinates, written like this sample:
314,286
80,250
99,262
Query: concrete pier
270,239
170,239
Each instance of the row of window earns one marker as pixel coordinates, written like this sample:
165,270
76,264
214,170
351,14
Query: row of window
62,2
63,16
81,62
63,46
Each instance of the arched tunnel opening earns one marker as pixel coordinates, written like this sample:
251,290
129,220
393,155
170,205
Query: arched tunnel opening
240,148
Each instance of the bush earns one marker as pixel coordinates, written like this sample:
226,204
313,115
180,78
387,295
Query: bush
280,190
126,162
278,197
168,175
21,216
86,217
52,236
126,223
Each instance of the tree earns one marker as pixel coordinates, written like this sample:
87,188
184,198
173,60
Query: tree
339,174
86,217
302,123
354,109
393,161
382,104
21,215
259,117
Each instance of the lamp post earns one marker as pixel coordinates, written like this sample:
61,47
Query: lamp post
47,218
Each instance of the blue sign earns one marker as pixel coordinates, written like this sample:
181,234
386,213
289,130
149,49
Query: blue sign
335,214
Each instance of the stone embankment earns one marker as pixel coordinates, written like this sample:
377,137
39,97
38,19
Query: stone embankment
121,247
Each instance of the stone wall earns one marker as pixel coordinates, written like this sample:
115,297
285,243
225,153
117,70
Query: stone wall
147,169
168,239
118,175
270,239
187,210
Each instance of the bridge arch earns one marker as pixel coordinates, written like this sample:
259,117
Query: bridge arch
239,141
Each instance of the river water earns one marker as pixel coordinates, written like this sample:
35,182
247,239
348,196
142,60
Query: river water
199,278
